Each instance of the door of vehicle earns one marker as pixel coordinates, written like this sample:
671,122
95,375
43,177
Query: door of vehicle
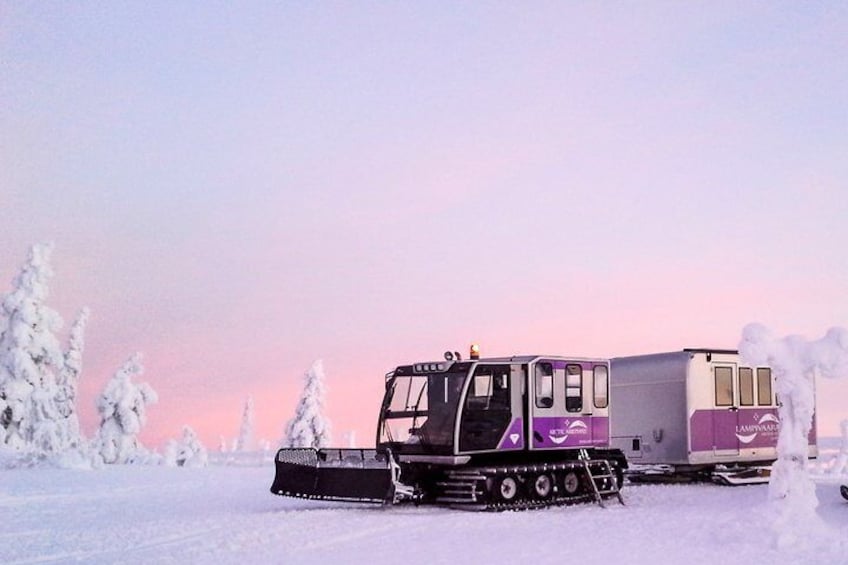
726,409
757,419
486,411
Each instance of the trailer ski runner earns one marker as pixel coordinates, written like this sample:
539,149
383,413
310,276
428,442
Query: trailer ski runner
491,434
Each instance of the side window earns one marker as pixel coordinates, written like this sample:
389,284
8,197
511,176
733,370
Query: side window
500,388
574,388
724,386
764,386
480,391
601,386
489,389
746,386
544,382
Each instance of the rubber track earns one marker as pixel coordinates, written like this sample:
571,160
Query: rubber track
525,503
482,474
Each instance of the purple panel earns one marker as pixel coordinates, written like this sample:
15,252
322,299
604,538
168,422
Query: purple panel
572,431
600,431
757,428
726,429
514,436
701,430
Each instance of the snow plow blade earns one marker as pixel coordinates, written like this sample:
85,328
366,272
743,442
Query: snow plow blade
352,475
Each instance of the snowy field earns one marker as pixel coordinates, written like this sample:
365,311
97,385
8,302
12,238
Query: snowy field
137,514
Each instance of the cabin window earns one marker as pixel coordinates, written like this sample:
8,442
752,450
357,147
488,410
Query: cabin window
764,386
544,385
481,391
601,386
489,388
574,388
724,386
746,386
410,394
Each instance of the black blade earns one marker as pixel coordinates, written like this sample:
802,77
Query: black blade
333,474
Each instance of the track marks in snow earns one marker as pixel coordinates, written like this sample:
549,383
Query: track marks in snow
224,515
336,539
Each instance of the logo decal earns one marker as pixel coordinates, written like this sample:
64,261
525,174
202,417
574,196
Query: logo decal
559,435
514,438
767,423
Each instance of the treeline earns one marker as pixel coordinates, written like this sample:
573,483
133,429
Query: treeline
39,385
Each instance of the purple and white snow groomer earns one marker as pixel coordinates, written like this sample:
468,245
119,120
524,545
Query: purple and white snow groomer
496,433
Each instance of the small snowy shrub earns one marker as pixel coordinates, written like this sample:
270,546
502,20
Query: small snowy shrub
186,452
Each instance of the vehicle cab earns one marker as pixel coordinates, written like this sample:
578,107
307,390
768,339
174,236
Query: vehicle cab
450,411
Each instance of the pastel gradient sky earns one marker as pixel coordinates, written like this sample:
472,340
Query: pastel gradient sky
238,190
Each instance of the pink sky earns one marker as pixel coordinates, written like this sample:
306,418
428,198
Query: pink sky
238,192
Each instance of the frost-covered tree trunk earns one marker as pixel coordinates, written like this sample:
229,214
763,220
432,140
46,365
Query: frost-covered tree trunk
30,358
122,407
795,363
245,442
187,451
310,427
66,399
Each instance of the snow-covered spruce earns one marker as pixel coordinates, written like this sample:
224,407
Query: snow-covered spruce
68,384
187,451
310,427
122,408
795,362
245,441
30,360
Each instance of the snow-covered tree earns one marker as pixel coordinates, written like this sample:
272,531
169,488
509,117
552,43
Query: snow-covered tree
795,363
187,451
66,399
245,441
30,358
122,408
310,427
840,467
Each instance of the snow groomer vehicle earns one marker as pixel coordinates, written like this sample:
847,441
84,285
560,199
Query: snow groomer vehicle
492,434
696,414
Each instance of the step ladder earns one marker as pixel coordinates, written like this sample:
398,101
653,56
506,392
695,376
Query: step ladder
603,473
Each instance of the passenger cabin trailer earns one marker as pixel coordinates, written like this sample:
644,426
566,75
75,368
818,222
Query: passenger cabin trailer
694,410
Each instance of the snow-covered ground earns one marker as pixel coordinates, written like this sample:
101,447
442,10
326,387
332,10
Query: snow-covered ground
138,514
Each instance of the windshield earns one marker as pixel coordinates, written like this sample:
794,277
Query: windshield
419,411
